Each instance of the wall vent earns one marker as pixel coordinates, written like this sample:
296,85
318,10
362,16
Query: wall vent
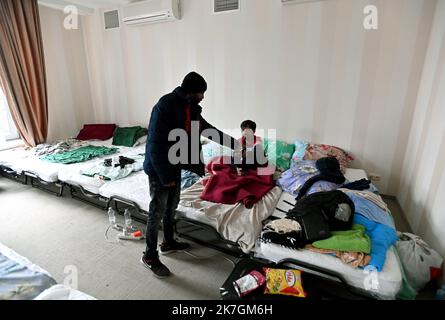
225,5
111,20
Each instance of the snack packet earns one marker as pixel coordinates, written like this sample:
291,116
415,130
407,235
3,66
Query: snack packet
284,282
249,283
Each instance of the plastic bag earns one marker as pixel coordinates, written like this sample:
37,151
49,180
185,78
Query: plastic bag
421,263
249,283
284,282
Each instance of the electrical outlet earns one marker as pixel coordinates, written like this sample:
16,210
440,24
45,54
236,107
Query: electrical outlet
375,177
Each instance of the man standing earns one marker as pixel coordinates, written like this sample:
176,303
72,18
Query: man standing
177,110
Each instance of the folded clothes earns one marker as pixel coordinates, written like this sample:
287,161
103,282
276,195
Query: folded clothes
354,240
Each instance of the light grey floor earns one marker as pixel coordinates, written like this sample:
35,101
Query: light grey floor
58,233
61,233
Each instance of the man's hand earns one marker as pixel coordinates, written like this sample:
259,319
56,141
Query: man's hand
170,185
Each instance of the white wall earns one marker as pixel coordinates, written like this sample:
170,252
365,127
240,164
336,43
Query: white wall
69,94
422,185
309,70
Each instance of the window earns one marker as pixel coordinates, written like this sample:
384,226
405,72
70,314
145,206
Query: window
8,130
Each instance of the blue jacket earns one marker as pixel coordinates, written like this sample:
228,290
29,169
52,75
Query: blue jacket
169,114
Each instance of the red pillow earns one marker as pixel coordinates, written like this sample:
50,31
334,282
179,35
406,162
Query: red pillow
96,132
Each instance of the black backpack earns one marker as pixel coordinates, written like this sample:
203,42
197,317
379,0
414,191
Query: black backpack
322,212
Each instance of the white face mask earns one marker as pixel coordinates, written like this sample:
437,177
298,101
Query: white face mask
247,133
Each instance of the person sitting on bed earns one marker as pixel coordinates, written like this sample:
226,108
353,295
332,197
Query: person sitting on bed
251,155
177,112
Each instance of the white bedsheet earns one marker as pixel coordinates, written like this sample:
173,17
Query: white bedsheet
133,188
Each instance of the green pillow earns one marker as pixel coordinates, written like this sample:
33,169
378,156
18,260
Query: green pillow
128,136
281,158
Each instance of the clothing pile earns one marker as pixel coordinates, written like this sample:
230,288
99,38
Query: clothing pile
107,170
57,147
353,225
310,176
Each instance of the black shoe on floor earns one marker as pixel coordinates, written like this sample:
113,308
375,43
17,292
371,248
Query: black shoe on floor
157,267
167,248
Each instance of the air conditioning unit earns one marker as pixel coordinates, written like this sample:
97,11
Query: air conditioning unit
151,11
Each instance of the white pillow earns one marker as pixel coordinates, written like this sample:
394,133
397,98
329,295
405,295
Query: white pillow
140,141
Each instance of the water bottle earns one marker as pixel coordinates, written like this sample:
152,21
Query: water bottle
128,221
111,217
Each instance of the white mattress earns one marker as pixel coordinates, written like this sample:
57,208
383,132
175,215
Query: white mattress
71,173
389,279
134,188
20,160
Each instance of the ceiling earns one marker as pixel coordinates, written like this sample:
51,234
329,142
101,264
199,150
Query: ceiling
99,3
84,6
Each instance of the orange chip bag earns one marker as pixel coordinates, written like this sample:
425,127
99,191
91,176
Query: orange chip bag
285,282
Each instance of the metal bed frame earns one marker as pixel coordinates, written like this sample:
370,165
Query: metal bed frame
186,228
137,213
37,182
351,291
13,175
80,193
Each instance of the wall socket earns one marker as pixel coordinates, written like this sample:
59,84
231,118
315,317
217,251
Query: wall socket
375,177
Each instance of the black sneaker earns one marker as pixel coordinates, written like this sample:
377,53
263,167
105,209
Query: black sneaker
157,267
167,248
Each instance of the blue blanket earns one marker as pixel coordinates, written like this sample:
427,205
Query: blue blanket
382,238
17,282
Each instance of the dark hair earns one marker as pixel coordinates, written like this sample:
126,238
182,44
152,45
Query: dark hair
194,83
248,124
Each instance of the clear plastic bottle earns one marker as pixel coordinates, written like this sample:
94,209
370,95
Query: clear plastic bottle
440,295
128,221
111,217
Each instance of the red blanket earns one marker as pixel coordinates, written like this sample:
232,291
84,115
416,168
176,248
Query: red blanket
226,186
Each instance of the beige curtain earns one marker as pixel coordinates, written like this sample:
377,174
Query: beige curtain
22,68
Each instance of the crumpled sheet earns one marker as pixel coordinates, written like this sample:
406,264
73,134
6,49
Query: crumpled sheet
233,222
